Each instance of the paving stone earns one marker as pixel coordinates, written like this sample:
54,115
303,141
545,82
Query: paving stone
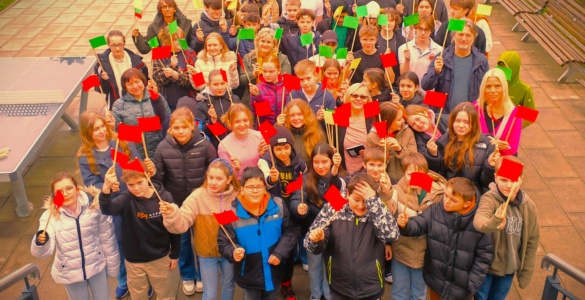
35,195
65,18
42,40
534,137
540,97
578,220
550,163
14,44
569,193
553,119
29,32
558,92
578,164
547,73
43,169
570,143
550,212
31,52
574,110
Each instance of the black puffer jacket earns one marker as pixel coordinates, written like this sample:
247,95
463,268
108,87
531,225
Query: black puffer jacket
181,168
457,256
221,104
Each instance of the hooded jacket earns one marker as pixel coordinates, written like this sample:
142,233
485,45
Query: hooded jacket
327,24
249,60
317,101
181,168
208,26
221,104
287,25
486,222
520,92
291,46
157,24
270,93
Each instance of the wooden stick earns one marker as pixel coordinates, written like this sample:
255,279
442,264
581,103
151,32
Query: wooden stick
353,41
444,41
228,92
387,40
329,221
98,60
337,138
185,57
282,102
510,129
47,224
135,20
116,154
153,188
509,198
434,8
437,124
224,231
389,82
144,146
271,155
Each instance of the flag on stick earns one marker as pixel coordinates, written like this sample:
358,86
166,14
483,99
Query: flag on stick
292,82
342,114
382,19
246,34
361,11
217,129
435,99
456,25
98,42
333,196
388,60
184,45
135,165
161,52
510,169
226,217
173,27
422,180
262,109
350,22
58,199
278,33
198,79
153,42
147,124
267,131
411,20
120,158
381,129
129,133
295,185
341,53
306,39
371,109
90,81
484,10
526,113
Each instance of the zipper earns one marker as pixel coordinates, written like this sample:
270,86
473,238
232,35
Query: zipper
81,248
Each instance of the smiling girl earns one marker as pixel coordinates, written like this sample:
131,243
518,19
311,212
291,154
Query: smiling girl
270,90
408,83
422,122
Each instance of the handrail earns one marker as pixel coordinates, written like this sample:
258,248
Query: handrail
20,274
558,263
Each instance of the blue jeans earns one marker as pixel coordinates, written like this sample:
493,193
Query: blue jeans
97,285
187,259
317,277
407,280
122,280
209,270
300,251
495,287
251,294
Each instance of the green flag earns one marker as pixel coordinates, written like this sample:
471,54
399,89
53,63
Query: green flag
306,39
350,22
278,33
383,20
98,41
246,34
361,11
341,53
456,25
153,42
173,27
411,20
183,44
507,71
325,51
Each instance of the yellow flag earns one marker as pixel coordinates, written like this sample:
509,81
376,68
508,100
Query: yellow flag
337,11
233,5
328,114
355,63
197,4
484,10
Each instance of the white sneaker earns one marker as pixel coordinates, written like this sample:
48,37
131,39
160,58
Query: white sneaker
388,278
188,287
199,287
305,267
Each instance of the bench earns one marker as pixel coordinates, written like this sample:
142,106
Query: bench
516,7
560,30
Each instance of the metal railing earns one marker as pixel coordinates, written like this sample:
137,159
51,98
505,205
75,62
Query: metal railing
30,291
552,285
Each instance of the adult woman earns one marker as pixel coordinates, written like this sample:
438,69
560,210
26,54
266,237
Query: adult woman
265,46
422,122
243,146
167,12
464,151
115,61
399,142
416,55
172,74
497,113
214,56
375,82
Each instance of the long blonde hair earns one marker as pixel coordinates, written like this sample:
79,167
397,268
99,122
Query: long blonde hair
505,103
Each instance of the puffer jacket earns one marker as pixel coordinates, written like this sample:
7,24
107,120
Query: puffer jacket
354,248
458,256
84,244
157,24
127,110
206,63
272,94
405,138
249,60
170,88
208,26
181,168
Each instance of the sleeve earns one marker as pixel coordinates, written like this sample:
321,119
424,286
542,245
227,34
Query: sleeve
248,69
175,246
194,42
182,218
159,164
288,239
265,167
487,172
201,113
112,207
226,249
295,201
211,154
322,218
89,178
401,49
525,274
158,106
105,84
285,66
233,76
483,256
141,42
515,134
109,245
384,223
158,73
408,143
485,220
418,225
46,250
488,34
198,69
435,162
430,79
528,101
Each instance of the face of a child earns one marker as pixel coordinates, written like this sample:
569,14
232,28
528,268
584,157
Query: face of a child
252,25
308,81
368,83
292,11
182,131
69,190
505,185
411,169
213,47
138,186
270,72
397,123
462,125
241,124
368,44
296,118
332,74
254,190
407,89
391,24
423,32
457,12
305,24
217,180
322,164
374,169
282,152
419,122
357,204
99,132
341,18
265,44
213,14
424,8
454,203
217,85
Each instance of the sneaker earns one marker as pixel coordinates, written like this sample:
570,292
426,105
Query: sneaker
287,291
388,278
121,293
150,292
188,287
305,267
199,287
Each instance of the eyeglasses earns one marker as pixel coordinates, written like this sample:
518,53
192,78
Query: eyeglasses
361,97
423,29
114,46
251,188
166,7
68,189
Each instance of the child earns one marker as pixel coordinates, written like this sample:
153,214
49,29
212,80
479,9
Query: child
375,81
408,84
457,254
516,234
335,23
332,71
421,120
212,20
215,196
215,56
251,21
289,23
369,54
291,43
271,90
390,37
86,251
181,160
353,241
311,90
408,252
329,39
148,259
264,237
483,23
304,208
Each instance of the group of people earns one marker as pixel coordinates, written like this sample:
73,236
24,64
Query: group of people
459,238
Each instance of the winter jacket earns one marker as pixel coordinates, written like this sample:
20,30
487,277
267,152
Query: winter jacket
245,47
486,222
341,138
354,248
173,89
510,132
127,110
249,60
272,233
291,46
197,212
317,101
85,244
481,173
443,81
457,255
208,26
520,92
110,87
206,63
181,168
287,25
405,138
144,237
157,24
326,24
270,93
221,105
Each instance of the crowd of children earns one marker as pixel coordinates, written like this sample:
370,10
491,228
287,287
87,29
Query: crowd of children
338,198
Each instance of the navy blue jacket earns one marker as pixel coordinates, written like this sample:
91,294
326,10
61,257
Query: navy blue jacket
291,46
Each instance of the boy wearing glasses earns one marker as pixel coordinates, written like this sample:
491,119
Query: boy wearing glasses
263,237
416,55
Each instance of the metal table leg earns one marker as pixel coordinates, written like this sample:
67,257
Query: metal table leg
23,207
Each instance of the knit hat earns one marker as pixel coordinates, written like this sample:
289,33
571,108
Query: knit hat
282,136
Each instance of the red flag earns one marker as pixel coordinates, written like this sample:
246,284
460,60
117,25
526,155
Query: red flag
198,79
317,69
90,81
147,124
510,169
342,114
262,108
295,185
292,82
129,133
135,165
267,131
435,99
223,75
241,62
381,128
226,217
422,180
122,159
161,52
371,109
333,196
58,199
388,60
526,113
324,83
153,95
217,129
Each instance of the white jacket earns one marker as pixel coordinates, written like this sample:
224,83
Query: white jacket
216,63
85,244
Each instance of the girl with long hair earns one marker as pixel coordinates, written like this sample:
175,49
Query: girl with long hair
422,122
